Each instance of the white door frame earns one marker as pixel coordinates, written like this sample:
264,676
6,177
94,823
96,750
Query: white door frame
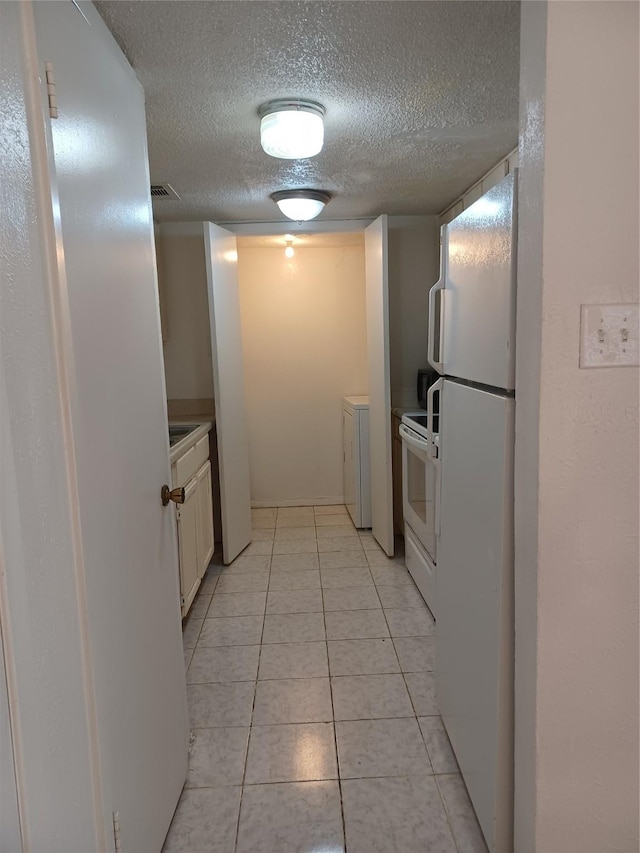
324,226
376,249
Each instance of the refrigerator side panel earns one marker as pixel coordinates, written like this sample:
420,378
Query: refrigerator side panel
479,295
474,628
365,473
349,463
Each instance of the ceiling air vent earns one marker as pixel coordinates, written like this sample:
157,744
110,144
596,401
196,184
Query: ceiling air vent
163,191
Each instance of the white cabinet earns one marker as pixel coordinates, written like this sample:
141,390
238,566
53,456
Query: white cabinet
357,484
187,545
191,470
204,539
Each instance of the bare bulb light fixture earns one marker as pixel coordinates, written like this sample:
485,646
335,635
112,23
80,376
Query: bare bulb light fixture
291,128
301,205
289,252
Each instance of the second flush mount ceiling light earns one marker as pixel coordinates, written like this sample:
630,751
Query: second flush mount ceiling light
291,128
301,205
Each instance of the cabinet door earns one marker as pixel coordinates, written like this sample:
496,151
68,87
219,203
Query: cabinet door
187,538
205,518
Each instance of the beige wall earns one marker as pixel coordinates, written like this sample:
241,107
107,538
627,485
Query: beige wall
183,290
576,435
320,294
414,264
304,344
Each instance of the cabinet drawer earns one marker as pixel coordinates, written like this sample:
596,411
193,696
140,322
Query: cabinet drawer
202,452
185,467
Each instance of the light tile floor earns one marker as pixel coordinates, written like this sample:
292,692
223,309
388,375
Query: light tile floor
312,702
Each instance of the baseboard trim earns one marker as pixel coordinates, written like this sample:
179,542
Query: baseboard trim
299,502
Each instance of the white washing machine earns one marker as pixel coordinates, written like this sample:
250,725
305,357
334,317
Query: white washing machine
357,479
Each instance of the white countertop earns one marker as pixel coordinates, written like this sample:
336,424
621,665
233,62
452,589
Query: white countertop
399,411
358,402
200,430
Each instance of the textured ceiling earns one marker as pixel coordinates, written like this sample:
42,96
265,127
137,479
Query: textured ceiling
421,99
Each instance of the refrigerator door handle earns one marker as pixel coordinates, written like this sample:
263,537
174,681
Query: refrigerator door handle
437,386
436,362
433,361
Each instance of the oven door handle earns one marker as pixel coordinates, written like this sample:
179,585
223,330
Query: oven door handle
413,439
437,386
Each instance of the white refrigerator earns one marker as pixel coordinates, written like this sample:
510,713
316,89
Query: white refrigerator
472,346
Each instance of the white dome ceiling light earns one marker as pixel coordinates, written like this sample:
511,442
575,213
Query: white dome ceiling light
301,205
291,128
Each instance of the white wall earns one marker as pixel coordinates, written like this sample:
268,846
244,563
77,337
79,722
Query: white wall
187,342
304,344
414,263
576,435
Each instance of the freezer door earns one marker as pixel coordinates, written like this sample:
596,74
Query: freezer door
478,302
474,627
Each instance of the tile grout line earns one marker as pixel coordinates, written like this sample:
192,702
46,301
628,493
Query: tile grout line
335,733
434,774
253,706
406,686
324,778
447,815
261,645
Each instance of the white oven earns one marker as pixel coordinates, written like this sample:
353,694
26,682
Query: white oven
420,501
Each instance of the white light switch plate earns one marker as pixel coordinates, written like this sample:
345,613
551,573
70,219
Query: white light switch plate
609,335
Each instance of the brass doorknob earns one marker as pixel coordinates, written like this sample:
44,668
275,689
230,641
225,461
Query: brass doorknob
175,495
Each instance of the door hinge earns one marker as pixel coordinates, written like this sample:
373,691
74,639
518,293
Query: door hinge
182,601
51,89
116,832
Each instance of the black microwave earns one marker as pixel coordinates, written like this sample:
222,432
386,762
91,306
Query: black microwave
426,378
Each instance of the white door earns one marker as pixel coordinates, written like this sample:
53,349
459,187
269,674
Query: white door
10,835
377,280
478,340
228,389
100,173
474,625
